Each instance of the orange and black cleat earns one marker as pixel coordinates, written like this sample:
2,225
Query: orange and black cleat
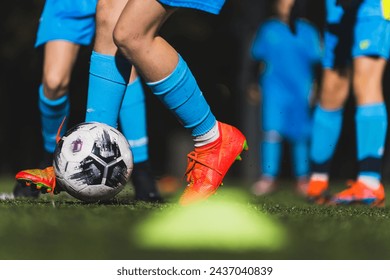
359,193
208,165
317,191
43,180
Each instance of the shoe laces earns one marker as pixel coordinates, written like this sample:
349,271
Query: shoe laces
192,160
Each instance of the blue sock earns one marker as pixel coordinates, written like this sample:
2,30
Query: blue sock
52,115
180,93
325,134
271,150
132,120
108,78
371,127
300,157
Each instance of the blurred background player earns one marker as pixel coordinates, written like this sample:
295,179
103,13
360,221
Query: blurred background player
357,45
64,27
217,145
288,50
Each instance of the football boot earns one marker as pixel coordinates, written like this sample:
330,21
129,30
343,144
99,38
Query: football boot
359,193
208,164
43,180
317,191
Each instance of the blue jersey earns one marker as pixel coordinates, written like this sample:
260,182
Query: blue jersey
210,6
70,20
286,82
288,57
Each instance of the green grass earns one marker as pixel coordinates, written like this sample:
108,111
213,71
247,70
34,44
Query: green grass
65,228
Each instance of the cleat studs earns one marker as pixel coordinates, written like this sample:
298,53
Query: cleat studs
28,184
245,146
238,157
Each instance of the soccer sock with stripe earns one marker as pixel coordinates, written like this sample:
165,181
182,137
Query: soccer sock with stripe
52,115
371,128
108,79
132,120
180,93
326,130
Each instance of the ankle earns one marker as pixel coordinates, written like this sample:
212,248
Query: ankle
319,177
209,137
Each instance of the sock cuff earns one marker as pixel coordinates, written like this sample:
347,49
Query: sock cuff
376,109
53,103
113,68
337,111
169,83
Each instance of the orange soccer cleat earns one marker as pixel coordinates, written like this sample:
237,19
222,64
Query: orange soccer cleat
359,193
43,180
317,191
208,165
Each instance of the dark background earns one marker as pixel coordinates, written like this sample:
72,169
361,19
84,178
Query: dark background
215,47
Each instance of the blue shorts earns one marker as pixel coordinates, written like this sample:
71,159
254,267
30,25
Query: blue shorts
285,112
210,6
372,37
369,36
70,20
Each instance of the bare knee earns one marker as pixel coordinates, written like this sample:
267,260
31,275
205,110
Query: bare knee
334,90
131,41
55,86
367,80
106,16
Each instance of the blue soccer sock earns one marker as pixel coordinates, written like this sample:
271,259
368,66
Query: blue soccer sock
300,157
52,115
180,93
132,120
108,79
326,130
371,128
270,153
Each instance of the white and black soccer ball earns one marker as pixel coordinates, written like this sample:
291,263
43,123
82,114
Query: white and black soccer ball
93,161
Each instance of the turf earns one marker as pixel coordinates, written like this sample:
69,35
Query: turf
65,228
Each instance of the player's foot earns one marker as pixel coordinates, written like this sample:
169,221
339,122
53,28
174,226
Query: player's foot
208,165
359,193
144,184
43,180
301,185
317,191
265,185
21,190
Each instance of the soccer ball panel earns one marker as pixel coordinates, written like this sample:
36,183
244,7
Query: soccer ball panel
93,161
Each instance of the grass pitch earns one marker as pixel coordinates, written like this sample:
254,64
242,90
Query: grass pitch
62,228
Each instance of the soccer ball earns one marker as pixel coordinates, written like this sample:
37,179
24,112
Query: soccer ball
93,161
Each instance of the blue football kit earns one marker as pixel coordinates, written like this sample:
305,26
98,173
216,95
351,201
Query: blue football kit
353,29
286,84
